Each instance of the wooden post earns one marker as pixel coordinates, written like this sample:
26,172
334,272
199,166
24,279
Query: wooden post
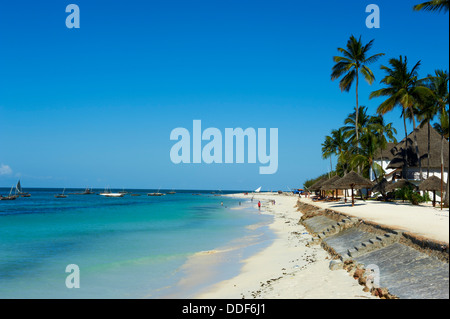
434,198
353,197
442,184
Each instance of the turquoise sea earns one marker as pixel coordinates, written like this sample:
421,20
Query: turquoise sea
128,247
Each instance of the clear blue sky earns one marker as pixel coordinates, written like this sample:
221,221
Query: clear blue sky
95,106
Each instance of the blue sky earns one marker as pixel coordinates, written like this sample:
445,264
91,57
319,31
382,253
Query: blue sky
95,106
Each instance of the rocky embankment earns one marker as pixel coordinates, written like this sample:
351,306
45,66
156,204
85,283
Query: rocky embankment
388,262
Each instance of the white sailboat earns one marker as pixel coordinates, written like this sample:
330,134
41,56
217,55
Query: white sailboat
258,190
108,193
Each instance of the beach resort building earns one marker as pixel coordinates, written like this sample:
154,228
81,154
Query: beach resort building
401,161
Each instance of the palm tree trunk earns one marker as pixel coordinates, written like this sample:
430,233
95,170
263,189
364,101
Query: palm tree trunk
405,167
356,116
415,143
446,199
428,155
443,198
446,194
331,168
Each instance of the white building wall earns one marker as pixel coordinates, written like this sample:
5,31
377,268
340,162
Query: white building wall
384,164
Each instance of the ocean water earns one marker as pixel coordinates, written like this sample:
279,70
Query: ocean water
129,247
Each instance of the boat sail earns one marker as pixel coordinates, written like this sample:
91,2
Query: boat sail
258,190
20,192
10,197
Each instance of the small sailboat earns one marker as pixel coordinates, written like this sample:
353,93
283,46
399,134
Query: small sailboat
87,191
19,191
61,195
171,192
108,193
258,190
156,194
10,196
124,192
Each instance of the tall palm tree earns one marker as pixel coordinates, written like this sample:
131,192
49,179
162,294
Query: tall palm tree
434,5
439,84
354,123
426,113
404,89
385,132
334,145
354,60
369,147
328,150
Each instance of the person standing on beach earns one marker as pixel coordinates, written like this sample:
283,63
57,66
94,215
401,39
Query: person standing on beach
259,205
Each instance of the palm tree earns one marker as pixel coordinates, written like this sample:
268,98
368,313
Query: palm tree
434,5
353,126
385,132
328,149
369,147
442,126
439,84
354,60
403,88
334,144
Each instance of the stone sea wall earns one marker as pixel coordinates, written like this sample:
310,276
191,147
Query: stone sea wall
389,262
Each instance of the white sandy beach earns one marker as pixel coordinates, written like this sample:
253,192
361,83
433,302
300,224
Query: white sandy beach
287,269
423,220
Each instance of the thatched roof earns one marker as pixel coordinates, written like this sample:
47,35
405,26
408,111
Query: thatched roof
329,183
353,180
400,184
432,183
385,153
402,149
316,186
381,186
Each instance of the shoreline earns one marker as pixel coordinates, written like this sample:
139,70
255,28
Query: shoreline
206,268
287,268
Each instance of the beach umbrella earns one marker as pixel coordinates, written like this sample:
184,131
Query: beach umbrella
400,184
329,184
433,184
353,181
316,186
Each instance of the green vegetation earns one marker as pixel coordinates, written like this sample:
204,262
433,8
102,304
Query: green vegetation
408,194
357,142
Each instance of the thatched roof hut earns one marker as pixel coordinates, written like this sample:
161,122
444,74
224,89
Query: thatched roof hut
353,180
316,186
329,183
407,147
400,184
432,183
385,153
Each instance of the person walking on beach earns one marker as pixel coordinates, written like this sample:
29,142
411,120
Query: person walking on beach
259,205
